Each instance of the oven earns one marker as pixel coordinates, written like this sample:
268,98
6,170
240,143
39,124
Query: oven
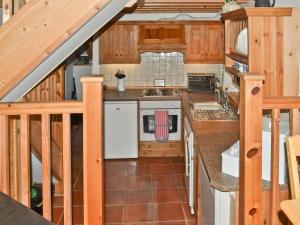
147,119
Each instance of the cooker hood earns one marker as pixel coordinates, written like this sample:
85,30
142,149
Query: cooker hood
161,37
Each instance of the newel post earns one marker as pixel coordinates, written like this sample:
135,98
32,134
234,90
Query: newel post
250,192
93,150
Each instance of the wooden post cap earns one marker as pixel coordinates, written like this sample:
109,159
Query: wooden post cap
91,78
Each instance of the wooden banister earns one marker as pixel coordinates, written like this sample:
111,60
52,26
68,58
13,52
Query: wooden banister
287,102
41,108
67,175
46,166
93,150
274,191
4,155
250,201
25,161
92,109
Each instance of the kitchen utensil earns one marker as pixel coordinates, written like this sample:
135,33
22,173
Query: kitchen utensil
264,3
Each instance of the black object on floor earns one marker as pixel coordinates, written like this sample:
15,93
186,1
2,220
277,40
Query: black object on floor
14,213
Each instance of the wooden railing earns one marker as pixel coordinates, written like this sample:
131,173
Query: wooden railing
91,107
252,105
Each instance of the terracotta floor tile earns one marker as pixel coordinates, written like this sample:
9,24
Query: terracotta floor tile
113,214
138,196
183,194
77,215
177,160
116,183
166,195
141,182
171,223
179,168
162,169
78,184
115,197
116,171
56,214
160,160
77,198
138,170
58,201
163,181
191,222
181,180
141,223
108,163
187,212
168,212
138,213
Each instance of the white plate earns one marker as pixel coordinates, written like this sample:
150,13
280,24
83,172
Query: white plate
242,42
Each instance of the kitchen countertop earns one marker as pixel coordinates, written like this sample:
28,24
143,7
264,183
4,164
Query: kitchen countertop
211,139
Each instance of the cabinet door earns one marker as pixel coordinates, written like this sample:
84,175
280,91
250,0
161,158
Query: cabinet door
109,45
128,43
195,50
118,44
214,43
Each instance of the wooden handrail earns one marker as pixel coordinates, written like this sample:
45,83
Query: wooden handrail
41,108
286,102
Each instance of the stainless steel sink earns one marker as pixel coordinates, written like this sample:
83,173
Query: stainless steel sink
212,111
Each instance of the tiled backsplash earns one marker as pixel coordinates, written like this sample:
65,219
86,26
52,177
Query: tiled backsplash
167,66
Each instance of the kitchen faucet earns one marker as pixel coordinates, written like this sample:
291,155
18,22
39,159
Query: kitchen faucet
222,95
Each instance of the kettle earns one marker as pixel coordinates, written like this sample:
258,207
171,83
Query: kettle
264,3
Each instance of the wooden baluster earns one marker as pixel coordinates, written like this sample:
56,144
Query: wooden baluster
25,161
93,150
294,121
250,201
4,155
46,166
67,175
275,192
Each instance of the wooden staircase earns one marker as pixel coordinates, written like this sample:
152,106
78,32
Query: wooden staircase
43,34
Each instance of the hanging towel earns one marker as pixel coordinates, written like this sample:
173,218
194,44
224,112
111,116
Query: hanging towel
161,126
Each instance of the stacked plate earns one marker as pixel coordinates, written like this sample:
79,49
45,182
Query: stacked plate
242,42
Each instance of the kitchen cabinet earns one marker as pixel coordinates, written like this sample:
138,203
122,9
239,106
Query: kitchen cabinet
161,37
121,129
205,43
118,44
214,207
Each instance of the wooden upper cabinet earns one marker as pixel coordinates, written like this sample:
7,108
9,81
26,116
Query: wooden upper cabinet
205,43
214,43
161,37
118,44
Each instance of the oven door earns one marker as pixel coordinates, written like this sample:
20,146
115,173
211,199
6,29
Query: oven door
147,124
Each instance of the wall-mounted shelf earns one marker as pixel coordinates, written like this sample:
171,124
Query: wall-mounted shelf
265,43
235,74
238,57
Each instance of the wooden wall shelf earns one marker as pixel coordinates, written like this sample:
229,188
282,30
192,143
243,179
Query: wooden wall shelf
238,57
233,71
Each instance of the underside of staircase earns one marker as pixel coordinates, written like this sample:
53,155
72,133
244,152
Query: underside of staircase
43,34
